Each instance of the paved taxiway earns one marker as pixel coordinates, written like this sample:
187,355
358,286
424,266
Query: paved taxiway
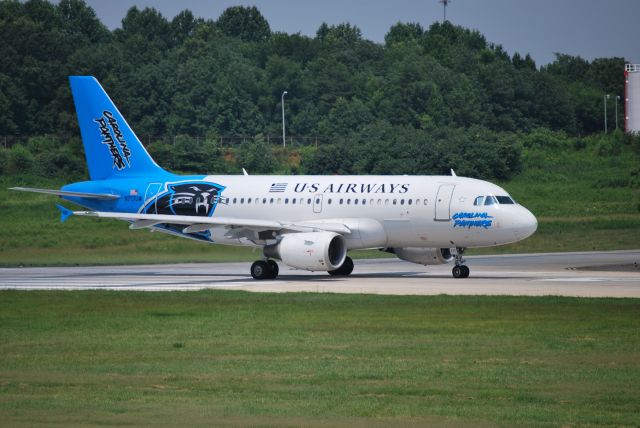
595,274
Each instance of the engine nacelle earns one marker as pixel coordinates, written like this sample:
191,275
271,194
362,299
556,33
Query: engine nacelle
310,251
425,256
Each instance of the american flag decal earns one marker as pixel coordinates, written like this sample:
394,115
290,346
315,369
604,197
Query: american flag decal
278,187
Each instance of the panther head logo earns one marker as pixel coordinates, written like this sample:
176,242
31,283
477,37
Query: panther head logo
192,199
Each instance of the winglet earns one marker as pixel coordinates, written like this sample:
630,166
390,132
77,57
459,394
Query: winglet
244,172
64,213
453,173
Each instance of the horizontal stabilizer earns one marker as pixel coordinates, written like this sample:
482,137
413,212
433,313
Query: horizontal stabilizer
103,196
64,213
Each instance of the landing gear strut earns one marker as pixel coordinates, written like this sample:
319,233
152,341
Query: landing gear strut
262,269
345,269
460,270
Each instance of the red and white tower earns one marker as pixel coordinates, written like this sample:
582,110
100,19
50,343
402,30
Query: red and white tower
632,98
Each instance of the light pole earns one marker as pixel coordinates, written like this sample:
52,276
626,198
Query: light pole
617,99
445,3
606,97
284,141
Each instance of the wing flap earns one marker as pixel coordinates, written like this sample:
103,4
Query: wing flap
143,224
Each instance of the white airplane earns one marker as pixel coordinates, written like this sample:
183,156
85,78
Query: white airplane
307,222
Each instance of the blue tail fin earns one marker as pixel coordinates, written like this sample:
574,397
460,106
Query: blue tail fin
111,147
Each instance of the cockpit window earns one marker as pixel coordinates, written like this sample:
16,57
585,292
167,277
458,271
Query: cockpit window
505,200
490,200
479,200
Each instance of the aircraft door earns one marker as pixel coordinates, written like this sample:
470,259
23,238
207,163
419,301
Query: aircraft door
443,202
317,203
153,189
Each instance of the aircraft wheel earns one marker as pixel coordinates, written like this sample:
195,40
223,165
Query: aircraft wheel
465,271
457,272
274,269
345,269
260,270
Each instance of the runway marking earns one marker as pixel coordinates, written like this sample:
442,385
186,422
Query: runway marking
587,280
129,287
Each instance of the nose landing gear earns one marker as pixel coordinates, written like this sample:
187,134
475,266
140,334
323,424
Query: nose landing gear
460,270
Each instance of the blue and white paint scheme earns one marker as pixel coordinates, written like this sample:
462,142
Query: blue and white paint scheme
307,222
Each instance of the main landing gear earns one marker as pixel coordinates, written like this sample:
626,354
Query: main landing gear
268,269
460,270
264,269
345,269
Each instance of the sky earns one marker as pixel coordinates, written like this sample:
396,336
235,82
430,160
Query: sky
587,28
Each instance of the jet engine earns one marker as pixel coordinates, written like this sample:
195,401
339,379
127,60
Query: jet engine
310,251
425,256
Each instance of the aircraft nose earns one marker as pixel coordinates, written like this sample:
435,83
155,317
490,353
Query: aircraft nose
527,224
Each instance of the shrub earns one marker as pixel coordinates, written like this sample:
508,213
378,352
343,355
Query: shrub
256,157
42,144
4,160
20,160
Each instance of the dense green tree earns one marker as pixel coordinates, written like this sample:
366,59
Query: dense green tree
424,101
403,33
247,23
79,19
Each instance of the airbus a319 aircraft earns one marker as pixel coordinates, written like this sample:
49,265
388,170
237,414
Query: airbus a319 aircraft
307,222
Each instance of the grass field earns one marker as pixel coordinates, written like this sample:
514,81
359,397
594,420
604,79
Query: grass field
235,358
583,200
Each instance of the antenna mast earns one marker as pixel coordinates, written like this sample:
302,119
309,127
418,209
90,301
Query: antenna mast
445,3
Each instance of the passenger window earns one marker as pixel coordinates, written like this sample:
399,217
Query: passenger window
426,201
349,201
329,201
264,200
293,201
286,200
364,202
479,200
401,201
271,200
371,201
235,200
355,201
490,200
249,200
386,201
341,201
242,200
309,201
394,201
409,201
379,201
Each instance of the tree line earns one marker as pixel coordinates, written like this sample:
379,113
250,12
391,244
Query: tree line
421,102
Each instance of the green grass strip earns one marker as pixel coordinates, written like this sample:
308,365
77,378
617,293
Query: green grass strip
235,358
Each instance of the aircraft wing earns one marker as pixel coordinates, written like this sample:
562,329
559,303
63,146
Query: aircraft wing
103,196
198,223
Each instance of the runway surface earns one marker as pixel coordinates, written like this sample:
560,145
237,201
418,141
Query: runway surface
593,274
